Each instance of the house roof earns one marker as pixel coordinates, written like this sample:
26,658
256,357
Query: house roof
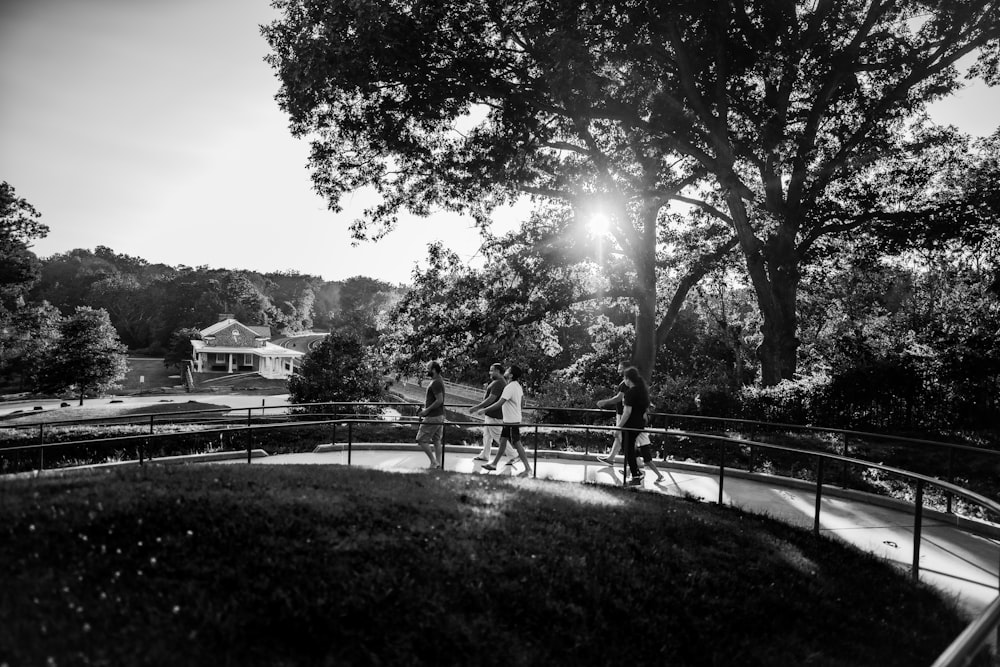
268,350
233,333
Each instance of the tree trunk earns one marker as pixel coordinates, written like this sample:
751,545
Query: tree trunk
774,273
644,354
646,339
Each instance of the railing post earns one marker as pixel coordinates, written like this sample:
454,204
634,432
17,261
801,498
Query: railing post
350,440
917,526
753,456
443,424
819,494
534,470
41,448
722,468
142,446
249,443
843,477
151,417
951,478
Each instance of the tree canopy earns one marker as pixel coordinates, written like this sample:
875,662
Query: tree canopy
20,224
87,355
754,113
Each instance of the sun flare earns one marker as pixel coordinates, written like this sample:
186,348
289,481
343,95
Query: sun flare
598,224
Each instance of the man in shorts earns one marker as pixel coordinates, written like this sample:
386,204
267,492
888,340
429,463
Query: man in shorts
432,416
493,417
510,406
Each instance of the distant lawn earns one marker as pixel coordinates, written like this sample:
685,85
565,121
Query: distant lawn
153,373
308,565
109,411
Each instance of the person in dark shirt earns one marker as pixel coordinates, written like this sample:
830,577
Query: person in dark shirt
432,415
616,402
633,420
494,417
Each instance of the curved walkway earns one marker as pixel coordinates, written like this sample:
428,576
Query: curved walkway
959,563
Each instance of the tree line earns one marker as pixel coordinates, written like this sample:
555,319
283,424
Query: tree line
141,307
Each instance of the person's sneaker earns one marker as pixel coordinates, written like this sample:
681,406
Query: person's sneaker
479,458
525,473
604,459
510,462
489,466
635,481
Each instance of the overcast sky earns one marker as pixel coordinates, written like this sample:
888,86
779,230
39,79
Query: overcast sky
149,126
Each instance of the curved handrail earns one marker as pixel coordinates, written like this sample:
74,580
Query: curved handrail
965,647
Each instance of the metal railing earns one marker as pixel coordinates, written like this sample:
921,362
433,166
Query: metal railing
963,649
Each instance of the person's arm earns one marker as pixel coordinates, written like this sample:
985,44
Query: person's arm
626,412
604,402
481,404
438,402
498,403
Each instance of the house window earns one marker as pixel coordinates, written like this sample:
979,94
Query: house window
248,360
220,358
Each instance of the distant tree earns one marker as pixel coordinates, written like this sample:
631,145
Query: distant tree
178,352
26,335
86,357
340,368
19,226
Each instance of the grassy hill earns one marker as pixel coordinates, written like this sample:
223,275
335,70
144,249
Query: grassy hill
307,565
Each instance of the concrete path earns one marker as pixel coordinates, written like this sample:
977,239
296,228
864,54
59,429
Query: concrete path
958,563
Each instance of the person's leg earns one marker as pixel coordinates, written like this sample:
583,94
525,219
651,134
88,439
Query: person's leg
484,453
628,442
504,439
609,458
439,444
647,457
523,455
424,438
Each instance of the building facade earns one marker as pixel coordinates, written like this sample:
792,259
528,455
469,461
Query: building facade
229,346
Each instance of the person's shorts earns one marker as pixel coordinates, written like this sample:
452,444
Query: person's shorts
512,433
492,431
644,447
431,430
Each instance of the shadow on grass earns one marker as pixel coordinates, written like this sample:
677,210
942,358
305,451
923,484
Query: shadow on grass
301,565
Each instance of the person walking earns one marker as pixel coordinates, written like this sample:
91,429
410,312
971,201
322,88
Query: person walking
510,405
616,402
645,449
431,428
635,402
493,417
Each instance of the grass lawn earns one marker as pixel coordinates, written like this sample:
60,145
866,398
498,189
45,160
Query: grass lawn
110,411
309,565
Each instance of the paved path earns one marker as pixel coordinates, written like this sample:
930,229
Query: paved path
957,562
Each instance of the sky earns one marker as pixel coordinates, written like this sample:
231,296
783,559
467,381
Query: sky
150,127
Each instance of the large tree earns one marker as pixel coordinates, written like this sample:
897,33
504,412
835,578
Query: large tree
625,107
19,226
87,355
340,368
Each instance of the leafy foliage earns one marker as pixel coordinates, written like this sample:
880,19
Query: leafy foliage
340,368
19,226
87,355
753,112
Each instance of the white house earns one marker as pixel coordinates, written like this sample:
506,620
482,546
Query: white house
231,347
